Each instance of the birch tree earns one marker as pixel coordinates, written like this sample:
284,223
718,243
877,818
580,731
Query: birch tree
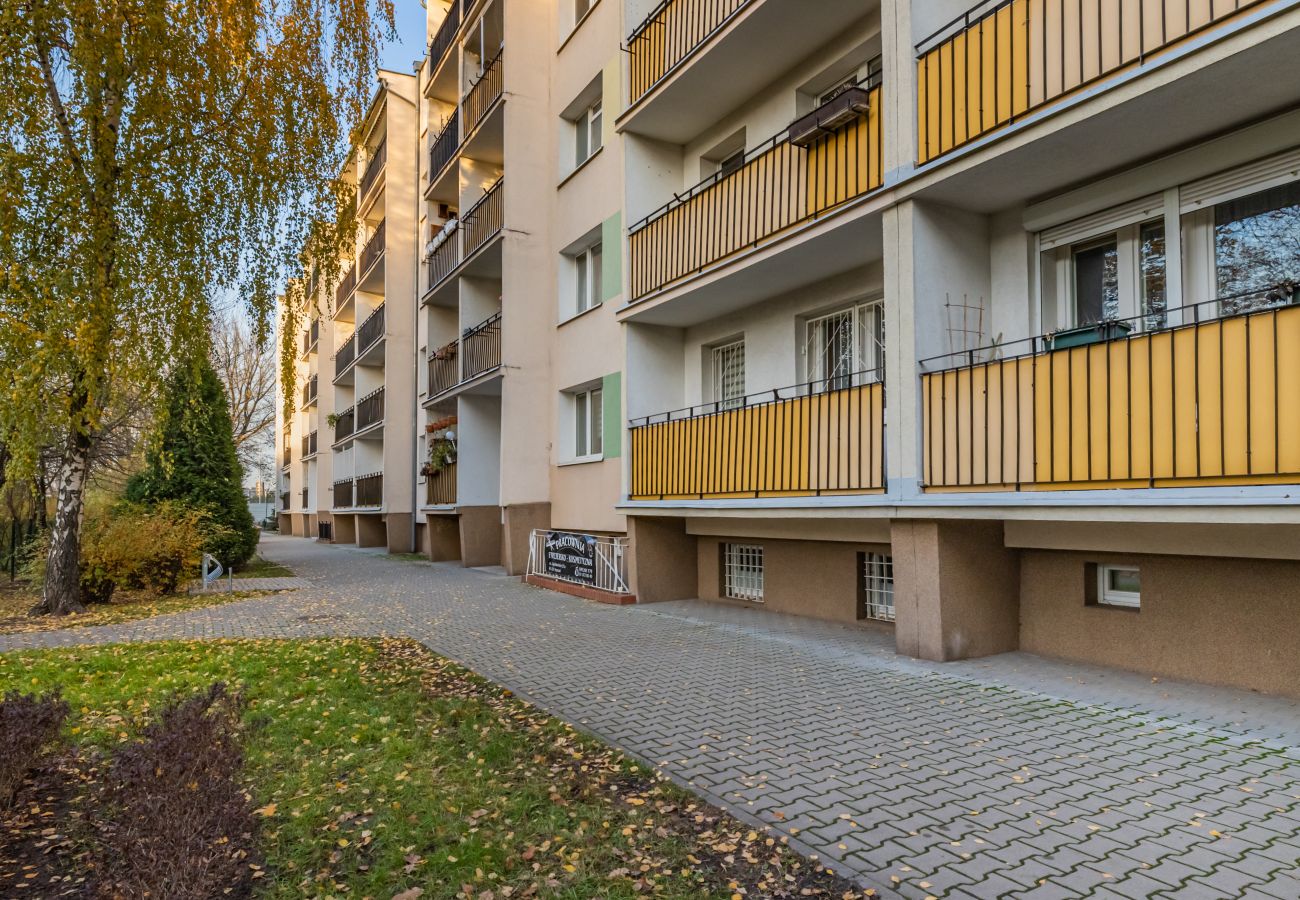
152,155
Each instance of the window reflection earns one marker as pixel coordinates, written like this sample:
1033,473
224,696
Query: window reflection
1257,249
1151,260
1096,283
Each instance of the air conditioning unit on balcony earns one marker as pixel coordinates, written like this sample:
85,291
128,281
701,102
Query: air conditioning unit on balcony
837,112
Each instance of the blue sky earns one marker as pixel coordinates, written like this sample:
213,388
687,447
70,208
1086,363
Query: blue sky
409,46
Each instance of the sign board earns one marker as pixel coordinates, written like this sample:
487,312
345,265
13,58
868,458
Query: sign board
571,557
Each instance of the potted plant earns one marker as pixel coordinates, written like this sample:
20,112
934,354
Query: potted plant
332,419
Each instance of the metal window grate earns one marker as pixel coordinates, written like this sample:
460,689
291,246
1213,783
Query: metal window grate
742,566
878,587
729,374
844,342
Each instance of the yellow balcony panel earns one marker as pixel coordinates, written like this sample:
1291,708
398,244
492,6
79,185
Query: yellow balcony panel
780,186
807,443
1000,61
1213,403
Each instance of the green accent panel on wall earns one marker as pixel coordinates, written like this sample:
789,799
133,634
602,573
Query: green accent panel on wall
612,403
611,246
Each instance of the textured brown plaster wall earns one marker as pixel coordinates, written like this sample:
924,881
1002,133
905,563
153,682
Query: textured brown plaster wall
520,520
480,535
440,538
806,578
400,532
1233,622
371,532
661,555
345,529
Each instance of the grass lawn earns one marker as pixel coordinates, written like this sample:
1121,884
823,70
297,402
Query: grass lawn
257,567
125,607
383,771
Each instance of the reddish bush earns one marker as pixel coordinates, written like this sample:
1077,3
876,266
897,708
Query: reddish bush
175,821
27,724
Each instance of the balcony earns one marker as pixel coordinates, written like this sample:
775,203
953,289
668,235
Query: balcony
309,393
341,494
374,165
371,254
370,410
1214,401
484,93
440,487
345,426
476,353
304,496
443,149
818,439
345,356
811,169
284,501
311,337
308,446
343,295
445,37
370,490
443,260
998,62
370,332
483,220
673,31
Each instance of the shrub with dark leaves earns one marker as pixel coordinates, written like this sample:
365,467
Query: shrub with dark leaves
175,821
27,724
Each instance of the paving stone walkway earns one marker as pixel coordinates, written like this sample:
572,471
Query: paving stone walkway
1006,777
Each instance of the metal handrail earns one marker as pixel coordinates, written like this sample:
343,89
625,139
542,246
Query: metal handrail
479,99
444,37
484,219
371,330
370,409
792,392
373,167
443,149
373,249
696,26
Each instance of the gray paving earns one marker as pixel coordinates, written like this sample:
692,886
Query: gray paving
1007,777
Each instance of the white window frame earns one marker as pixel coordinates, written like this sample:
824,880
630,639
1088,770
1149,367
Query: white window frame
1107,596
588,424
588,266
1060,292
727,362
878,587
581,8
743,572
588,137
867,345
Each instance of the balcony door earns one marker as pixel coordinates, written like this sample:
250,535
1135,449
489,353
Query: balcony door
728,373
846,347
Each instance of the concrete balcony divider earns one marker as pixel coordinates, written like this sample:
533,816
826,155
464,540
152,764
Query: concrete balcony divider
823,438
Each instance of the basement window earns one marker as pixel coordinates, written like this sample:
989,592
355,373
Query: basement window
742,572
876,590
1119,586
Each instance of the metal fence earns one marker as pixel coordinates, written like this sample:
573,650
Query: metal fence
484,218
370,409
444,37
374,166
443,149
370,490
610,557
342,494
345,288
481,348
344,356
345,425
444,368
669,34
483,93
440,487
374,247
444,260
1003,59
371,330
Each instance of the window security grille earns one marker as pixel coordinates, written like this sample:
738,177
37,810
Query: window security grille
729,374
844,343
877,587
743,572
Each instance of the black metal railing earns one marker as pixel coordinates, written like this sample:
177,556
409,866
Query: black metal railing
284,500
1193,394
444,368
484,218
440,487
305,496
811,168
443,149
821,437
346,424
309,392
374,166
481,348
483,93
345,355
308,445
444,37
314,332
370,490
371,330
345,288
370,409
671,33
1003,59
341,492
443,260
373,249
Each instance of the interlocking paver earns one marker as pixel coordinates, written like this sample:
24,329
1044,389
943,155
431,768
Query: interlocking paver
986,778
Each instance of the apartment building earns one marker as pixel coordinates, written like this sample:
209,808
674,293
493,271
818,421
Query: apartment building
348,451
973,325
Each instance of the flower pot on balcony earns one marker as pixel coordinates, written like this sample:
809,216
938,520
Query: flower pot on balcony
1096,333
835,113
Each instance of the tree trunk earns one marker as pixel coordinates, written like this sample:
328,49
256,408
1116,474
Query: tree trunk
62,593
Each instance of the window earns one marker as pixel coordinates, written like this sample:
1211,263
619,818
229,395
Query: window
729,374
731,163
588,134
876,600
588,274
589,422
1257,249
1151,274
1118,274
1096,282
843,348
742,572
580,9
1119,586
